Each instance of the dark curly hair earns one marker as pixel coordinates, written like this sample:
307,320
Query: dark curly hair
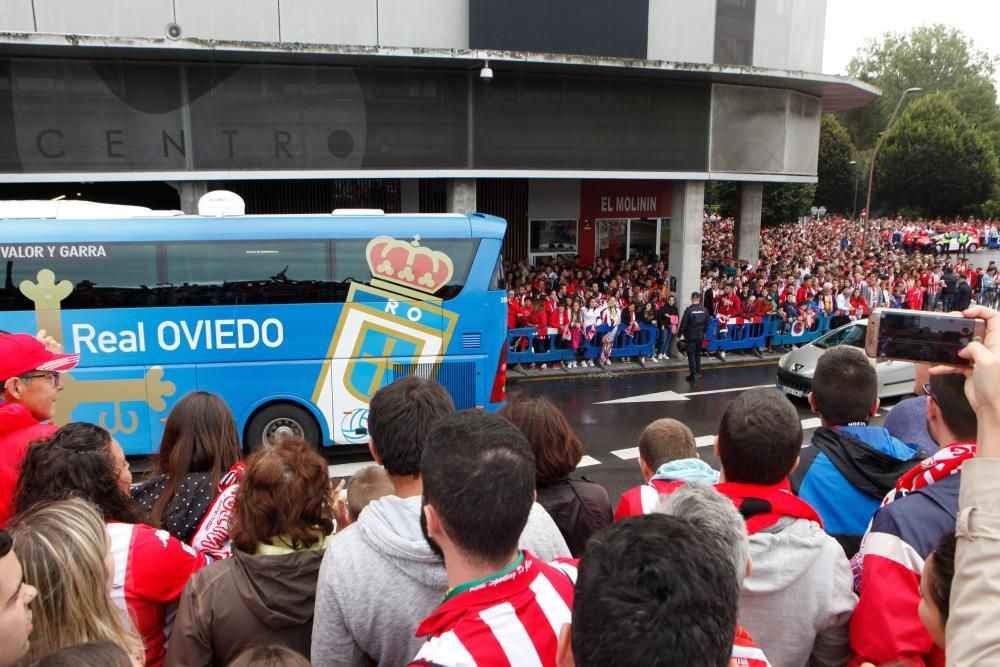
286,492
75,462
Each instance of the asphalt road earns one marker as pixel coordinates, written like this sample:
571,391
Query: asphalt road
609,412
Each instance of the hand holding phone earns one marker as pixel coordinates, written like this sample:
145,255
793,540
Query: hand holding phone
921,336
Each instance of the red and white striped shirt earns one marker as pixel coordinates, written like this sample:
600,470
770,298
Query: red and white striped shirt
512,619
151,569
745,651
643,499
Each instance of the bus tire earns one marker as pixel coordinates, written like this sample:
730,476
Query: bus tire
280,419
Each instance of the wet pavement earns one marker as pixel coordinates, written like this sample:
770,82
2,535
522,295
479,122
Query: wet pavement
608,413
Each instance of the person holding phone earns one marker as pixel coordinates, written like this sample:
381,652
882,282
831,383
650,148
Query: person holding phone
973,636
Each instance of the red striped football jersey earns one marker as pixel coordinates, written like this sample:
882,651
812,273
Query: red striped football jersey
745,651
151,569
643,499
513,619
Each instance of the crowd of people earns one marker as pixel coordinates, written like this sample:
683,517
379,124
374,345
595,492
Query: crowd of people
471,541
806,271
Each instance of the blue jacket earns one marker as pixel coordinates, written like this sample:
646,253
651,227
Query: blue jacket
846,472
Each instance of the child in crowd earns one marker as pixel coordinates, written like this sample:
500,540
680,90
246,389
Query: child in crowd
667,459
367,485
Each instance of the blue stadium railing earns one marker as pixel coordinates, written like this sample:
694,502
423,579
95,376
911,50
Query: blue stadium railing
526,345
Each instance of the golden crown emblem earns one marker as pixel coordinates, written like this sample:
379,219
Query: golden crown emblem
408,264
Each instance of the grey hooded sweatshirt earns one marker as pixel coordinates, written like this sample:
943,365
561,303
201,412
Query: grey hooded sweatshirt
379,579
797,601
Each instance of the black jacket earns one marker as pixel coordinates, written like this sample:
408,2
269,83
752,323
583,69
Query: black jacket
963,296
664,313
694,322
949,281
579,507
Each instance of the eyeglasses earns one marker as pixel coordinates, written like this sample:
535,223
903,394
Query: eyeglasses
54,377
927,390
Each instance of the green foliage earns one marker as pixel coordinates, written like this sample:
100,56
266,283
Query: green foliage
936,58
935,161
990,209
720,196
837,176
782,202
785,202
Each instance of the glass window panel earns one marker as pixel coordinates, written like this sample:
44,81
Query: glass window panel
103,275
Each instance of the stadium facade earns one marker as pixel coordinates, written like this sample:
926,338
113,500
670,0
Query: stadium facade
596,133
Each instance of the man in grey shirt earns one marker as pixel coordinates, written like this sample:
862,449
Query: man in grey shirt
379,576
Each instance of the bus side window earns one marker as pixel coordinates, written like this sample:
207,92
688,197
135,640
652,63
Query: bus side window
209,273
350,264
499,279
103,275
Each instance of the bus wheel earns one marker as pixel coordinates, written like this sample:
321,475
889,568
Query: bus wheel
278,421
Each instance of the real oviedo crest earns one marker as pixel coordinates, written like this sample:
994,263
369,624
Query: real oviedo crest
391,328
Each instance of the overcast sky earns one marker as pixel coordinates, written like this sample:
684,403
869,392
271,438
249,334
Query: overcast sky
850,23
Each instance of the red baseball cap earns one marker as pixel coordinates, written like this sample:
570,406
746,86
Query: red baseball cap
22,353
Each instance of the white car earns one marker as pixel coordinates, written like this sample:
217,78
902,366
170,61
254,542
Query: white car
795,369
946,243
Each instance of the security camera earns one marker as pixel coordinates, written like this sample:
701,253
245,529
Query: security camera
486,73
174,31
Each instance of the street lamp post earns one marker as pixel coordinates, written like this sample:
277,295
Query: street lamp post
857,174
871,168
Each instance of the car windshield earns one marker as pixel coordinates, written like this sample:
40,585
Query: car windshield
853,335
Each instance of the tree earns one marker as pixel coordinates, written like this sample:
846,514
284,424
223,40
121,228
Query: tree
781,202
837,176
935,161
785,202
936,58
720,196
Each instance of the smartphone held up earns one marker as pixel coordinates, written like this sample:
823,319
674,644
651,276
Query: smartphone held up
921,336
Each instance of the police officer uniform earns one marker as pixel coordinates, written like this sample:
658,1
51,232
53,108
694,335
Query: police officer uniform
693,327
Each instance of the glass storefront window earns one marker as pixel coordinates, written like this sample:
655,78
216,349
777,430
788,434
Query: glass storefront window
552,237
611,239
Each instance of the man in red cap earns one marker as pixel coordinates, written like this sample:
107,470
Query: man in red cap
29,384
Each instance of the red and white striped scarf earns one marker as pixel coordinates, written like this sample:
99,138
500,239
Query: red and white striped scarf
945,462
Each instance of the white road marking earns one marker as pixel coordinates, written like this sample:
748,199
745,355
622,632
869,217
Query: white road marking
704,441
588,460
669,396
626,454
348,469
709,440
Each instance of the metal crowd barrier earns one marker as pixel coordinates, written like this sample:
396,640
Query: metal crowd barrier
782,334
739,334
525,345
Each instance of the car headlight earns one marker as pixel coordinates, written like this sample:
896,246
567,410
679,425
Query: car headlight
783,359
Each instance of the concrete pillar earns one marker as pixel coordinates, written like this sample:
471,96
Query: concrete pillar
190,192
746,234
686,219
460,195
409,195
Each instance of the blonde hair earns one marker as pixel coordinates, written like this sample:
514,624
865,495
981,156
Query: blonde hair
62,547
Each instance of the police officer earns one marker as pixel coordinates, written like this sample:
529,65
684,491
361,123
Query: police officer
692,329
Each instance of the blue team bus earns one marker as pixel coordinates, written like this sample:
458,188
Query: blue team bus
296,321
